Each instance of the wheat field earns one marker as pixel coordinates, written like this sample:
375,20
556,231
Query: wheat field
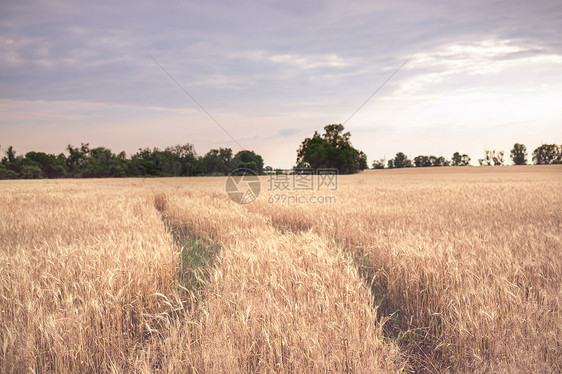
415,270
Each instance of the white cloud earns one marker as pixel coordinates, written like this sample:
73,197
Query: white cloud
9,54
300,61
310,62
35,111
464,62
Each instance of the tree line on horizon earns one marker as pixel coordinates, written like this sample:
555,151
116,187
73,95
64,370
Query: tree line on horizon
101,162
545,154
333,149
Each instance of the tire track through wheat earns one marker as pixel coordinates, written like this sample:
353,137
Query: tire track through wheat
280,302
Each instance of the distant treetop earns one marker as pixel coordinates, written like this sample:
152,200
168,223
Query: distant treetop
333,149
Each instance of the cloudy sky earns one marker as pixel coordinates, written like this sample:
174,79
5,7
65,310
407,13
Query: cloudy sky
482,74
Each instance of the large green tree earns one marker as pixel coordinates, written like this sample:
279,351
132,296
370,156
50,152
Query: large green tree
400,161
378,164
332,149
424,161
217,161
492,157
51,166
185,156
460,160
249,160
6,173
102,163
12,163
178,160
519,154
547,154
